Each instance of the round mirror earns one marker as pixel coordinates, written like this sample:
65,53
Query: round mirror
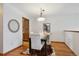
13,25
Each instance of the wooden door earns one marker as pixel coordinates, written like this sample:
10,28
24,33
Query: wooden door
25,29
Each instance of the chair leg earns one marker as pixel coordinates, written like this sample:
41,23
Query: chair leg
45,49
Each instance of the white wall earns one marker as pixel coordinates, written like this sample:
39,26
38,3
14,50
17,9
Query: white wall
11,40
60,15
1,28
58,25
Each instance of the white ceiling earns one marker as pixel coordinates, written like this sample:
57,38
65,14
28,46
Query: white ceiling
33,9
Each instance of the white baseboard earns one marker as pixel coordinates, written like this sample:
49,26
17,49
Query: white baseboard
57,41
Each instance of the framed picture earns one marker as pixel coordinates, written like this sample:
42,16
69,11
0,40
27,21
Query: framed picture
46,27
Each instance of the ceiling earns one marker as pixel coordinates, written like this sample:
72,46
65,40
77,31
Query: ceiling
51,9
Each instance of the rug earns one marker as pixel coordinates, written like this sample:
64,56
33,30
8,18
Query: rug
27,52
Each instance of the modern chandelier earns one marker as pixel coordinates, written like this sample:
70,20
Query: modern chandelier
41,18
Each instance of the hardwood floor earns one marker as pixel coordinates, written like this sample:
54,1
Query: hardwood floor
60,48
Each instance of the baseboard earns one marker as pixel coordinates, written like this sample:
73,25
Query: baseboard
4,54
57,42
70,49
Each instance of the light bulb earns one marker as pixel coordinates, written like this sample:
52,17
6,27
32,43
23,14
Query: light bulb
41,19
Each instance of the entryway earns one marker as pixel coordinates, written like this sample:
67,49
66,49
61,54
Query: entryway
25,32
25,26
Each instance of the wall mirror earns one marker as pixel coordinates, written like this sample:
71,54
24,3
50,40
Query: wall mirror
13,25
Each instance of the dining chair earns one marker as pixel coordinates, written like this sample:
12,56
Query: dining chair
36,43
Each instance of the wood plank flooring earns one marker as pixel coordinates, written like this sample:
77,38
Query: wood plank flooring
60,48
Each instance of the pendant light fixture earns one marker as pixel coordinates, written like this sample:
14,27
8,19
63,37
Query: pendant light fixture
41,18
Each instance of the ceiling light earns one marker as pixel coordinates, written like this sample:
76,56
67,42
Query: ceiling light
41,18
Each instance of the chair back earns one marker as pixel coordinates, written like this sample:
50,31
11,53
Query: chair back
36,41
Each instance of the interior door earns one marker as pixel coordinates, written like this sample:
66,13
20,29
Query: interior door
25,29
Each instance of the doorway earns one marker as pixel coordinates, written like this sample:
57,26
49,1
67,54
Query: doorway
25,32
